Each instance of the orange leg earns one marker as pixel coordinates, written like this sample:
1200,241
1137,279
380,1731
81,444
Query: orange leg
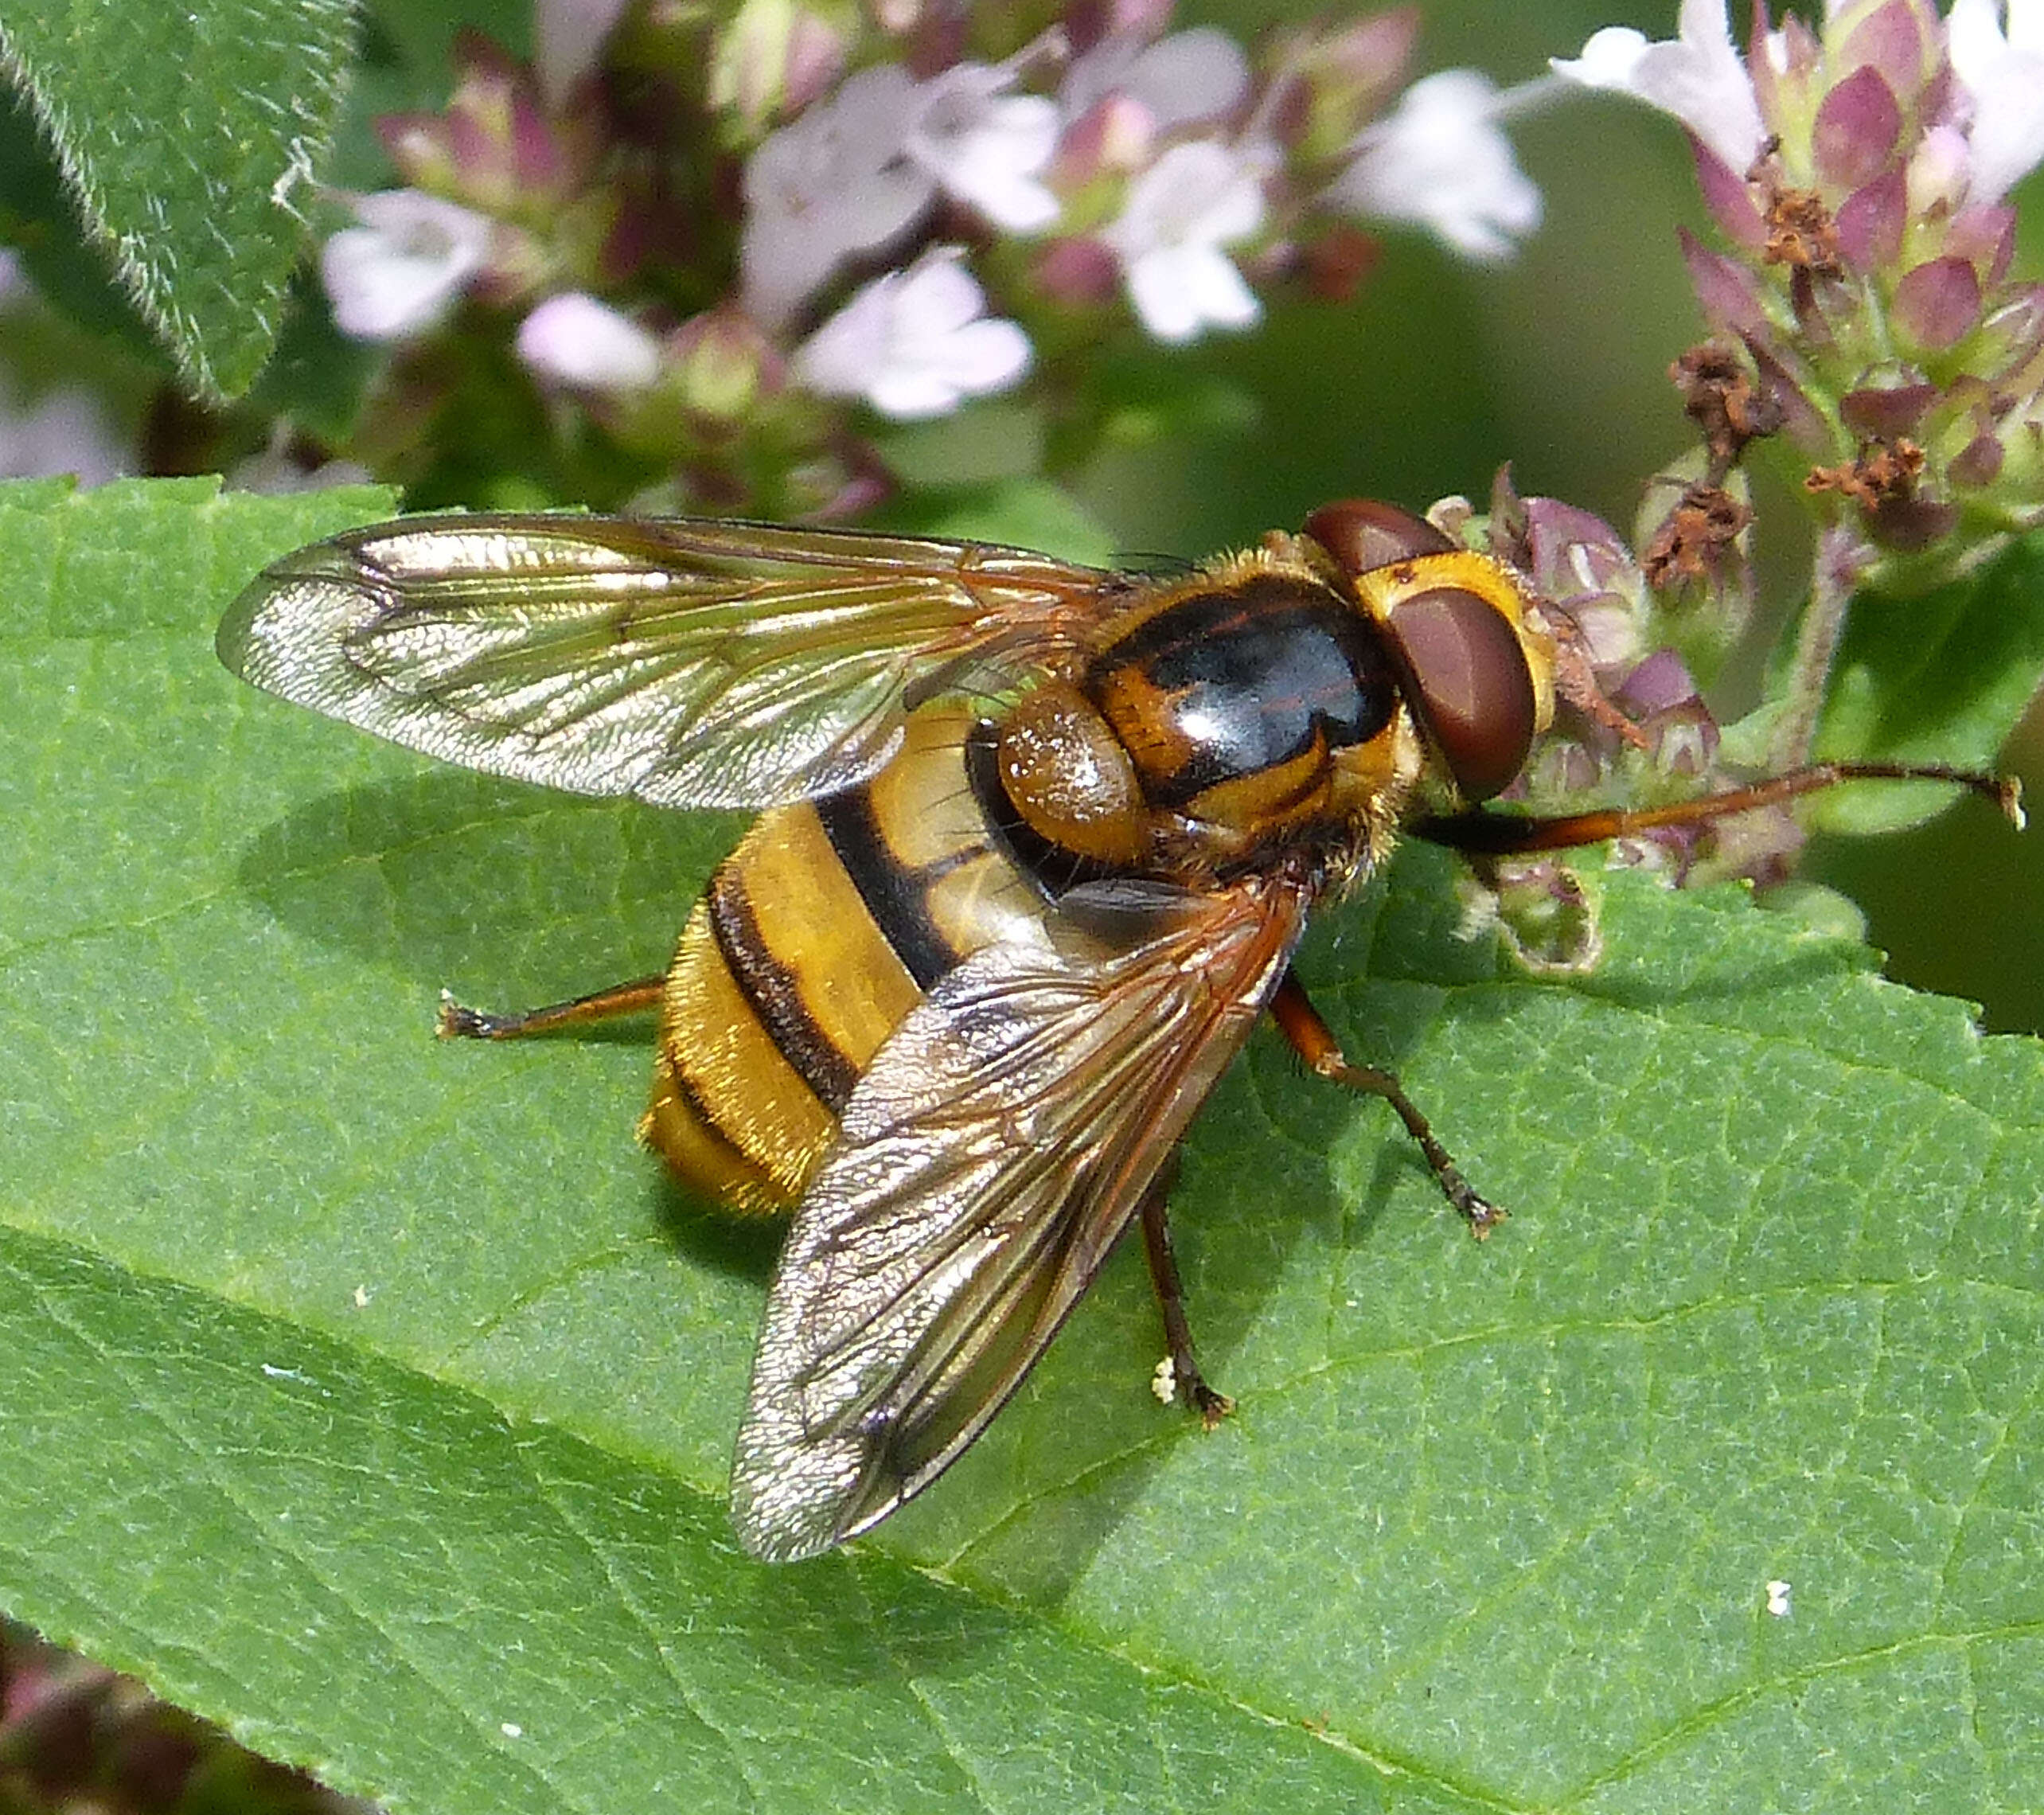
1300,1022
640,996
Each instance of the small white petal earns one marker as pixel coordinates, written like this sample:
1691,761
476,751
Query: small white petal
2026,25
1181,80
1202,193
1610,59
2003,77
833,182
939,295
1940,169
576,340
914,343
1189,77
1441,160
1194,200
985,148
1178,290
985,357
401,270
1698,77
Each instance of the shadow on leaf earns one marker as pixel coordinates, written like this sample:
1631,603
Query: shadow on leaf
510,896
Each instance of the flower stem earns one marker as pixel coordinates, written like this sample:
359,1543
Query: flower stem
1841,560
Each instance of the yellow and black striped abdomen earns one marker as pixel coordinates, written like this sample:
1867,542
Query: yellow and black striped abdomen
815,937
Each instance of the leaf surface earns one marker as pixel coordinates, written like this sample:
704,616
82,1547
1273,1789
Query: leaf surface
1942,676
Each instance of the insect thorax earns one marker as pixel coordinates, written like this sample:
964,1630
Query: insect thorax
1226,721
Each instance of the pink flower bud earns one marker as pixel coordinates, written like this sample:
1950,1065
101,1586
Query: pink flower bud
1978,463
1937,303
1857,131
1902,40
1116,136
1987,236
1883,413
1870,222
1727,289
1726,194
1081,272
577,341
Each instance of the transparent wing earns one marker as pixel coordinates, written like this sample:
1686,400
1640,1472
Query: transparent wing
999,1143
692,664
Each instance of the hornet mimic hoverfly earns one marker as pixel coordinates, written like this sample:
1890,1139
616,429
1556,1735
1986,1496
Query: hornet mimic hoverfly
1037,841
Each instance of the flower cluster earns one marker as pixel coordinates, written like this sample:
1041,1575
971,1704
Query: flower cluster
1634,723
730,247
1860,172
1864,312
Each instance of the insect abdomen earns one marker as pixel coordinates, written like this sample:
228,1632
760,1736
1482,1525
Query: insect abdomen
815,937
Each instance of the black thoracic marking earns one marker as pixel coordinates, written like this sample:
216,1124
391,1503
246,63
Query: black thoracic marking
1050,869
1250,674
895,895
776,995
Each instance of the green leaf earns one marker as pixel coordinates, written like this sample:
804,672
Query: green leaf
1941,677
189,138
36,218
373,1395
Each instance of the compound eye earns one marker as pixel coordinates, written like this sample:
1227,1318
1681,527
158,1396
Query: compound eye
1361,533
1471,685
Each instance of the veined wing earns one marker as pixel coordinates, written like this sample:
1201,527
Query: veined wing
690,663
998,1145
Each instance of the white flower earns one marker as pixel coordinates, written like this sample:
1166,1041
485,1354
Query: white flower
1441,160
1194,200
834,181
576,340
851,173
2003,77
401,270
1186,79
1699,78
916,343
985,148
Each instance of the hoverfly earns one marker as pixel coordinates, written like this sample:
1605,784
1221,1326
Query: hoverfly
1037,842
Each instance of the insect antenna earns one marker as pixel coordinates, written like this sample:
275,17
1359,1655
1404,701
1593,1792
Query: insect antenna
1504,834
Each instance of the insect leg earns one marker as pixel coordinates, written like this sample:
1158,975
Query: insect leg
640,996
1212,1406
1500,834
1300,1022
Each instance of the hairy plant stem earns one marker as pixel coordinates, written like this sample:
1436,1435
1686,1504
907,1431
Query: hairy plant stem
1840,561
